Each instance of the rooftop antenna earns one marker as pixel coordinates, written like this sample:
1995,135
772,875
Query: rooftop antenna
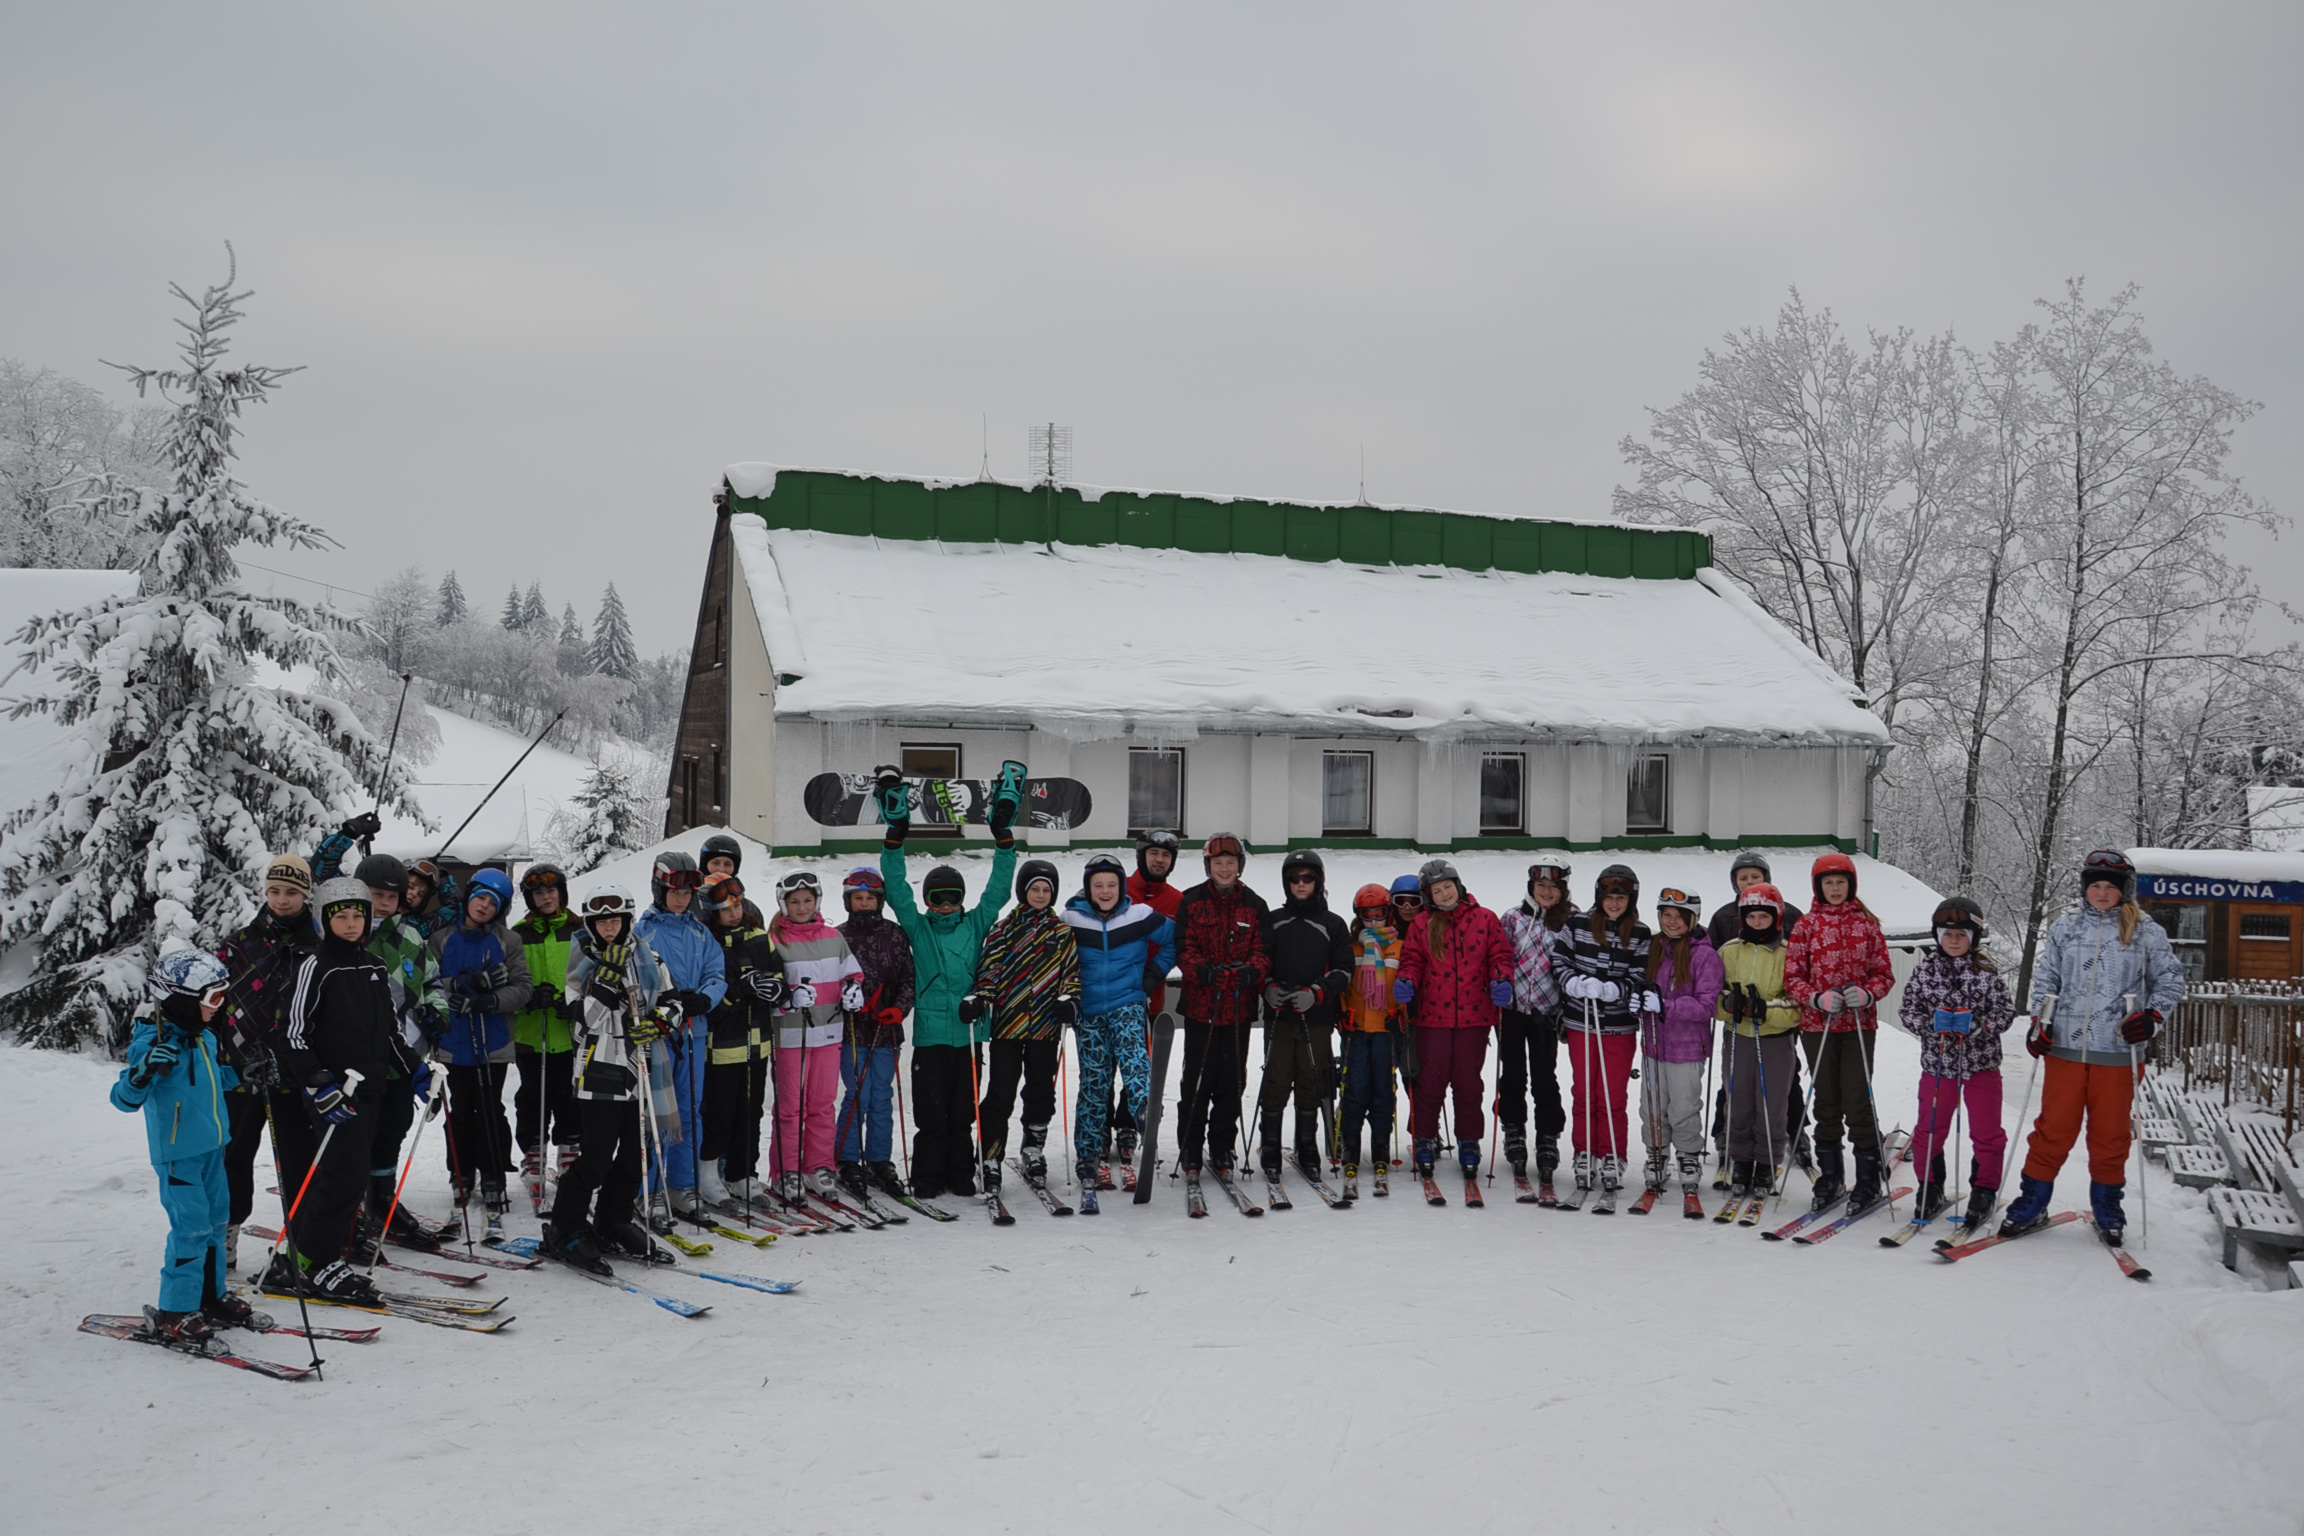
1051,452
1050,447
1363,475
984,465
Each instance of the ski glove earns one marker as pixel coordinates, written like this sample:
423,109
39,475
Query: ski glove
329,1100
609,965
2042,1038
1606,991
498,977
767,986
801,995
889,1018
852,995
1403,991
1829,1001
1500,993
652,1027
1067,1011
1275,996
693,1004
1650,1002
158,1061
2137,1028
1303,999
363,826
972,1008
260,1070
1855,997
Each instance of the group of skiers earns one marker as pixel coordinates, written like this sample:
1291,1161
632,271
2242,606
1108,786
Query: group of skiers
650,1051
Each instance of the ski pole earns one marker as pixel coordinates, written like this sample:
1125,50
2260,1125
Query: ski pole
2136,1145
1872,1102
1608,1101
491,1111
288,1215
456,1169
1768,1110
384,777
432,1101
1808,1101
484,799
1726,1106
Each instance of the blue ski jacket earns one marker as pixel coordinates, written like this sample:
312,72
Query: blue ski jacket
1115,948
183,1107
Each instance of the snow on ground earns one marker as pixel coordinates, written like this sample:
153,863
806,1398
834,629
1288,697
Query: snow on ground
1391,1367
472,757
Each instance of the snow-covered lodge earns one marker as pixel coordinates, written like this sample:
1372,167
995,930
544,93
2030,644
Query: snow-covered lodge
1296,673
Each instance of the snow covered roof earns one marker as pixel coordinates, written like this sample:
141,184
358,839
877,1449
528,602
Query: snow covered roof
32,750
2242,864
1085,641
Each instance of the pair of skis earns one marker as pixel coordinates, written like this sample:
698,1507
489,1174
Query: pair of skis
2127,1261
139,1330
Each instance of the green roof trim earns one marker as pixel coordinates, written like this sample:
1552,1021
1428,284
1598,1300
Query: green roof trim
987,512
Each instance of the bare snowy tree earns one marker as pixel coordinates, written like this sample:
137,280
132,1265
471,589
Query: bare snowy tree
60,442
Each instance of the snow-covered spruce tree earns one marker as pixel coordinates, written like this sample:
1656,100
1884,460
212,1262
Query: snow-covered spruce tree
510,619
608,817
535,615
187,773
612,649
453,608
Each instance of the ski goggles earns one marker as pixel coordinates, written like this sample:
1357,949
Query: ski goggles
1617,888
723,891
800,881
944,898
607,906
537,878
680,879
214,997
1673,896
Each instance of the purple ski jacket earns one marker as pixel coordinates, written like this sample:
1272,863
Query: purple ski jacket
1683,1032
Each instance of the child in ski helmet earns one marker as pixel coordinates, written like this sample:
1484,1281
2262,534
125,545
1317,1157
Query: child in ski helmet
824,989
614,991
1528,1036
1456,968
1120,943
174,1076
1602,958
1676,1008
1836,967
262,958
1219,940
543,1108
2108,979
1368,1018
1958,1004
693,960
868,1058
736,1043
1762,1021
1028,984
485,967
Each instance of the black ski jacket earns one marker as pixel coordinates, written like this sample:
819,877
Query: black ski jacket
1309,946
340,1018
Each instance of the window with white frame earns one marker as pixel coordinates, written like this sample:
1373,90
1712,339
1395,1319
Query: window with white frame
1502,809
1155,790
1347,793
1648,795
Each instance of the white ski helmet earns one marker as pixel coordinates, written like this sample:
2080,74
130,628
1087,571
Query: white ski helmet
191,972
609,900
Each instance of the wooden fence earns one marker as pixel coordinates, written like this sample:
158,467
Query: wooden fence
2244,1037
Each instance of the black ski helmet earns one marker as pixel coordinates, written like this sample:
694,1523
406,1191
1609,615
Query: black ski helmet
538,875
1152,840
1037,869
721,845
672,862
943,878
1305,858
1616,874
382,872
2109,864
1959,912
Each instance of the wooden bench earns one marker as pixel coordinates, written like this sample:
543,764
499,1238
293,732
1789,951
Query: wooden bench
2248,1215
2198,1167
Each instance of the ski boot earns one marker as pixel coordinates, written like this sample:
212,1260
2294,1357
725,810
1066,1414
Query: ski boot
1658,1172
2104,1205
1308,1159
991,1175
1268,1158
340,1282
1867,1187
2028,1212
1691,1172
227,1310
1741,1179
532,1175
1981,1199
495,1204
1547,1155
1831,1183
179,1330
1932,1199
1351,1181
566,1160
1611,1173
1033,1154
852,1179
791,1189
577,1249
282,1275
1516,1150
711,1188
1468,1157
1583,1170
1124,1145
824,1184
884,1178
1427,1155
686,1205
630,1240
1382,1169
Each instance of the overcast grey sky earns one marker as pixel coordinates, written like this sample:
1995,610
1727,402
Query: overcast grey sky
552,266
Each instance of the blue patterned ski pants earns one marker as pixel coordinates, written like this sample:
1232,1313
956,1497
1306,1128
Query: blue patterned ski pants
1109,1041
